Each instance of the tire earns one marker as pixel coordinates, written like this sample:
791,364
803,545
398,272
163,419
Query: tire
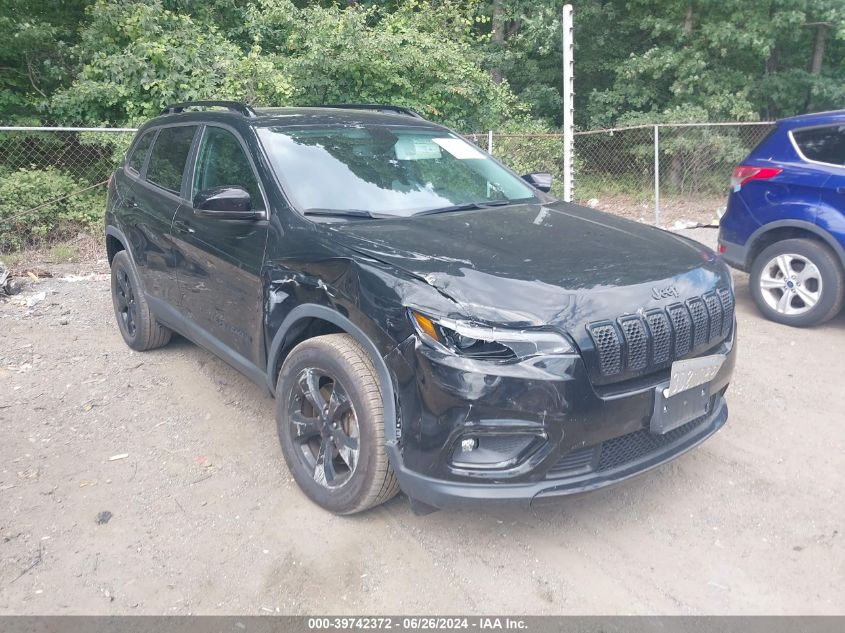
335,373
137,324
797,282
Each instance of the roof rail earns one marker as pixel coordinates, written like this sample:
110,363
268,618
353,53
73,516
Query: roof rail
379,107
234,106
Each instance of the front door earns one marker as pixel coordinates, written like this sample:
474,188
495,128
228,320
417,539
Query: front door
221,260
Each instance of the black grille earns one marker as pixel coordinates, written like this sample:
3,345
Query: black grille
635,337
727,299
683,329
609,348
576,460
714,309
648,343
620,451
700,324
661,337
628,448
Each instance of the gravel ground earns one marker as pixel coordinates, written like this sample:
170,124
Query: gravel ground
153,484
687,210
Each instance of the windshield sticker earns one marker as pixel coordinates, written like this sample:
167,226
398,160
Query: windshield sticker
416,149
459,149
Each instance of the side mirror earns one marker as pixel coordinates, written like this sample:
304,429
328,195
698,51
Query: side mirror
540,180
224,203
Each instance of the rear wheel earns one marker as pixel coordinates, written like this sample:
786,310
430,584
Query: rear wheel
137,324
797,282
330,420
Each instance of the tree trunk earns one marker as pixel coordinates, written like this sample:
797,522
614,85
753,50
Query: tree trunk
818,49
769,68
498,35
818,58
688,21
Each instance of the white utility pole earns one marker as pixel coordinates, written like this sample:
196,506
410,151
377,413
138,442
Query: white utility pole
656,175
568,105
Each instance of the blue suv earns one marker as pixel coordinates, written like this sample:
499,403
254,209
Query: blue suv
785,221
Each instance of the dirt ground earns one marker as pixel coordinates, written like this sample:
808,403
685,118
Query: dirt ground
204,518
675,211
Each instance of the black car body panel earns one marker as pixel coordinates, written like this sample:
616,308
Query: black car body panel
249,290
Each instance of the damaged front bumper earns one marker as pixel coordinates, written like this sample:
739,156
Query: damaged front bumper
475,431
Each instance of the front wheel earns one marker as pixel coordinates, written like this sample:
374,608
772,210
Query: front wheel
797,282
330,419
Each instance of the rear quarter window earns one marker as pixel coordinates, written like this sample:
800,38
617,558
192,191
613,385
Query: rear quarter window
169,155
822,144
140,151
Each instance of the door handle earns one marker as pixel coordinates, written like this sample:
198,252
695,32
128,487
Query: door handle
840,190
182,225
131,203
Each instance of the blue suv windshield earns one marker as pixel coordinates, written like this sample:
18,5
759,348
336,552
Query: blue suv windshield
386,170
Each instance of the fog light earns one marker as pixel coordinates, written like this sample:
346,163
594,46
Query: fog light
493,451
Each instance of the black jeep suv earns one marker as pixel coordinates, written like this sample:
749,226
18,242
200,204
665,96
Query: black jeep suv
427,320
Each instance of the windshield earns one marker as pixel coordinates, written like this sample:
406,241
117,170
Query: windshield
386,170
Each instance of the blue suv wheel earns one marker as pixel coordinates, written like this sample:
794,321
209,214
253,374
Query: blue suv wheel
797,282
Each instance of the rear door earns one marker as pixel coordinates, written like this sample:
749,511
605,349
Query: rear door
124,203
221,260
153,202
824,148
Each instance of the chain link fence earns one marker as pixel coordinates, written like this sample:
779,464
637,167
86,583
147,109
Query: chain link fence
695,164
51,180
673,175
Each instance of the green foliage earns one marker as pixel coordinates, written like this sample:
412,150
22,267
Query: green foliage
473,65
733,60
61,253
415,57
111,146
121,61
35,41
138,56
530,148
24,190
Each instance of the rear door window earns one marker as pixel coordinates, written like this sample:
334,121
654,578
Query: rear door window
169,155
140,151
822,144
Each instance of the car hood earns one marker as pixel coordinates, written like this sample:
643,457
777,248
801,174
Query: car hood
536,264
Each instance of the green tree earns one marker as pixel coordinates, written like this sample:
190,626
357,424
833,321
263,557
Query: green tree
35,39
732,59
136,57
420,56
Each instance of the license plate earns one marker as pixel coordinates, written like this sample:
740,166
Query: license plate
688,395
693,372
670,413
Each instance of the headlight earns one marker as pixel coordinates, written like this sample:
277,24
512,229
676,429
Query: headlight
487,343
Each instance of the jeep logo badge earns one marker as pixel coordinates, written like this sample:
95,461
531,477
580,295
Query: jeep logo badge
664,293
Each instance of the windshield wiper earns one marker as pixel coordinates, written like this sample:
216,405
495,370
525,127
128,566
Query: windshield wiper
465,206
342,213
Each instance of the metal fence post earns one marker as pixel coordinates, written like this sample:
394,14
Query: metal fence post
490,142
657,175
568,105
